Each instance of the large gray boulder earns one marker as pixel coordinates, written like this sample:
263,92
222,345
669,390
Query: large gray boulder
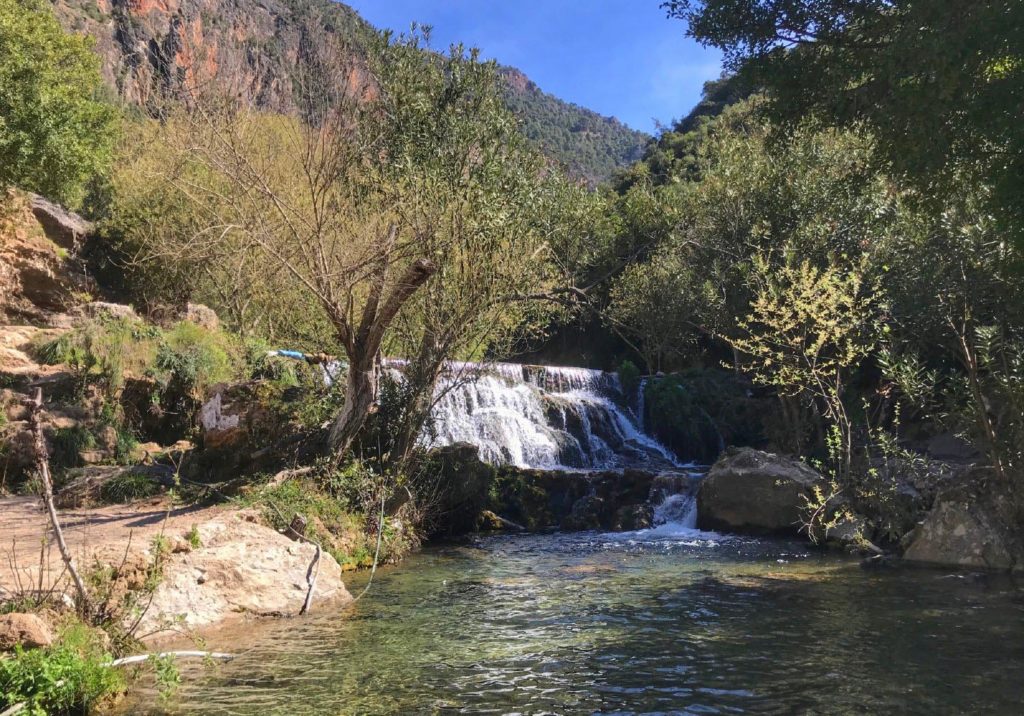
755,492
969,526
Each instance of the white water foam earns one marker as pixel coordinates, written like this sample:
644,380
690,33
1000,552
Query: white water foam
542,417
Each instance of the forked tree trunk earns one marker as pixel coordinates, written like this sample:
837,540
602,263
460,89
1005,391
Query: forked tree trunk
362,346
361,390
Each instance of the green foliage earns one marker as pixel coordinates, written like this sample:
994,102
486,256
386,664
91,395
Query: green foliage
70,676
55,132
166,673
195,357
194,540
939,84
68,442
104,351
697,413
128,487
629,376
588,145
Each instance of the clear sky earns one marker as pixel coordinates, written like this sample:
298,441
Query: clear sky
618,57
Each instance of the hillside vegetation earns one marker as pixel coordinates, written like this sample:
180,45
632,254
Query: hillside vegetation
152,50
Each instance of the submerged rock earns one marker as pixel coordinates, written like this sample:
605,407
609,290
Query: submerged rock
969,527
756,492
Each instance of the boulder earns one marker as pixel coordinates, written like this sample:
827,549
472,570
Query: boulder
40,270
223,418
240,568
63,227
103,309
755,492
463,482
633,517
971,525
588,513
26,630
202,316
487,521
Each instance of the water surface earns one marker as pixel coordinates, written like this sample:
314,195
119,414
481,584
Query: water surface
667,621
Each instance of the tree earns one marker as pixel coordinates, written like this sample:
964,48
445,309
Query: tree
816,194
398,203
808,328
940,84
55,131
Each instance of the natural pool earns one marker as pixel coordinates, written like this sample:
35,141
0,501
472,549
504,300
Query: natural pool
657,622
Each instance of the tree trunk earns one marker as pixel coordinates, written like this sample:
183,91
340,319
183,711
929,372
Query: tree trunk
361,388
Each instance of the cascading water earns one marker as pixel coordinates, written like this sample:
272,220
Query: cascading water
542,417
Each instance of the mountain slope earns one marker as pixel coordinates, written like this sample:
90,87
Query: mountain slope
150,46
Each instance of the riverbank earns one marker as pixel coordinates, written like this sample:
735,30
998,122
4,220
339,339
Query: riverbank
217,565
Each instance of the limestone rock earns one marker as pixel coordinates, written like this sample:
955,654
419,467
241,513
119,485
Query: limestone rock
201,315
241,568
968,527
40,269
28,630
65,228
103,309
757,492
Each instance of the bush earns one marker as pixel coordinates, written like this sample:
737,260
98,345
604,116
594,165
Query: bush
103,351
128,487
195,357
54,134
71,675
629,377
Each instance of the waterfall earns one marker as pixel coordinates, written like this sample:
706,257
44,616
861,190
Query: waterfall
541,417
679,509
641,392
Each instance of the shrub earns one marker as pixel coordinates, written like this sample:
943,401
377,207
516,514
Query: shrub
195,357
128,487
71,675
629,376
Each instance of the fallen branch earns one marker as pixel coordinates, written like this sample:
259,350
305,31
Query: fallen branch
376,554
139,658
43,465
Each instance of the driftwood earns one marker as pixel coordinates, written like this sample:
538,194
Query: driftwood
43,465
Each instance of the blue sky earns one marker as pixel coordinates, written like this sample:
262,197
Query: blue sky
618,57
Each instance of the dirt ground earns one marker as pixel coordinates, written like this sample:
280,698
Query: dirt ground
30,560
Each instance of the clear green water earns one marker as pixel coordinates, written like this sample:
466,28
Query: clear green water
630,624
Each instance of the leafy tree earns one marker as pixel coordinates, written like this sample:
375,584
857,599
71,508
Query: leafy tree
808,328
940,84
55,131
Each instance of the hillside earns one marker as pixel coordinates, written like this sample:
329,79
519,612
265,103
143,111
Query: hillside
148,46
589,145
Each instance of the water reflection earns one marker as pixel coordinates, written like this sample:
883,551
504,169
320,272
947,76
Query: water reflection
649,623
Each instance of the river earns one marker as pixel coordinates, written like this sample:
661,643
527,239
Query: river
663,621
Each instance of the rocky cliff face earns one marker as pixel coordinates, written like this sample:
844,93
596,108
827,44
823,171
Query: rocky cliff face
154,48
150,48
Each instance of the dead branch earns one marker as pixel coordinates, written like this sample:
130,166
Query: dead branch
43,465
140,658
